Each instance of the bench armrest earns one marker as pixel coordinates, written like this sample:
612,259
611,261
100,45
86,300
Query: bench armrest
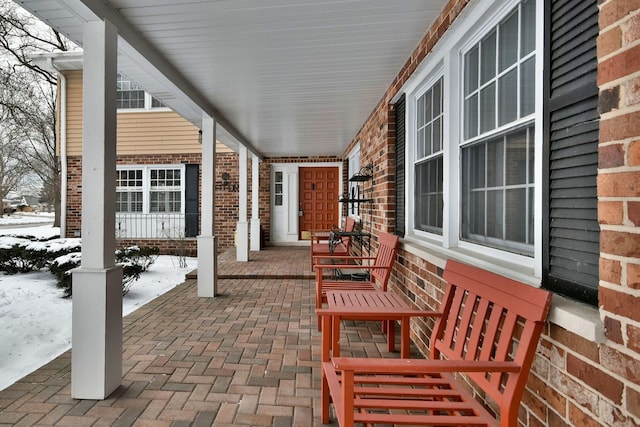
342,257
419,366
347,311
320,267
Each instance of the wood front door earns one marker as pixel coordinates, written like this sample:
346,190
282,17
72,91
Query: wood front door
318,199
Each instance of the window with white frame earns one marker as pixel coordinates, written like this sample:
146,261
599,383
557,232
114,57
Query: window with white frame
472,145
514,190
150,189
497,149
129,190
165,190
132,96
428,165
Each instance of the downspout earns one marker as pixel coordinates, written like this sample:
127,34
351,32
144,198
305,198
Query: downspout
63,148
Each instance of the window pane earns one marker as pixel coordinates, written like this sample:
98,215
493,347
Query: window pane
427,140
471,117
136,201
476,164
488,58
495,162
516,215
437,98
488,108
527,87
420,144
175,201
121,202
428,107
429,200
528,37
494,214
471,71
516,158
476,214
508,51
420,111
508,95
437,135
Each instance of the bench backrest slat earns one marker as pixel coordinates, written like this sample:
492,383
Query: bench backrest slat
349,226
476,330
490,317
385,258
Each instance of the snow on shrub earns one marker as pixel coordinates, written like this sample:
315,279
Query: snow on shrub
134,261
21,254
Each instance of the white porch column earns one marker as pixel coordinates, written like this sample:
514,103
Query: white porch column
207,245
96,363
255,203
242,249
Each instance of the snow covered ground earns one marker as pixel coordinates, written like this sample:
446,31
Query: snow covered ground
36,321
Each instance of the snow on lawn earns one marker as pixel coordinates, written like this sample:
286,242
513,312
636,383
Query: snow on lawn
36,320
24,218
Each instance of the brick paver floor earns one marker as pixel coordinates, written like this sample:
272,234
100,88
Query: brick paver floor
250,356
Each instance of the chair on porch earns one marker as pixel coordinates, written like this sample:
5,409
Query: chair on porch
377,270
330,242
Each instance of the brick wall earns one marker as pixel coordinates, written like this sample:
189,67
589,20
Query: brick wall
574,381
619,211
226,215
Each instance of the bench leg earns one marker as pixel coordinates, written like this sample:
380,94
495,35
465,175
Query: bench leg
335,334
391,335
405,342
325,400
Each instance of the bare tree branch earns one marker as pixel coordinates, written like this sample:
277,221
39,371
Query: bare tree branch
28,103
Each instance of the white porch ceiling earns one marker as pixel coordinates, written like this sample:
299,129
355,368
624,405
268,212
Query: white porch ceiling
284,77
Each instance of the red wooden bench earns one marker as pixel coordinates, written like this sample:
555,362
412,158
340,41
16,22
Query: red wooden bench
488,329
321,244
379,269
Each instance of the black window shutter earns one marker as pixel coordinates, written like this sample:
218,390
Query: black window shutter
400,167
191,219
571,232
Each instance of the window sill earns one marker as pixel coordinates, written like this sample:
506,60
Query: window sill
575,317
436,254
578,318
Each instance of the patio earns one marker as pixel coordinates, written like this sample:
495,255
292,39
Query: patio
250,356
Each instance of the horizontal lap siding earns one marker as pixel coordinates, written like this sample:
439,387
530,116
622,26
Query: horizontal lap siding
139,132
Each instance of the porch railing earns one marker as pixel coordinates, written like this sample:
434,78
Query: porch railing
150,226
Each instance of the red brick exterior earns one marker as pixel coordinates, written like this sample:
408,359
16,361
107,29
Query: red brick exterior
574,381
226,214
